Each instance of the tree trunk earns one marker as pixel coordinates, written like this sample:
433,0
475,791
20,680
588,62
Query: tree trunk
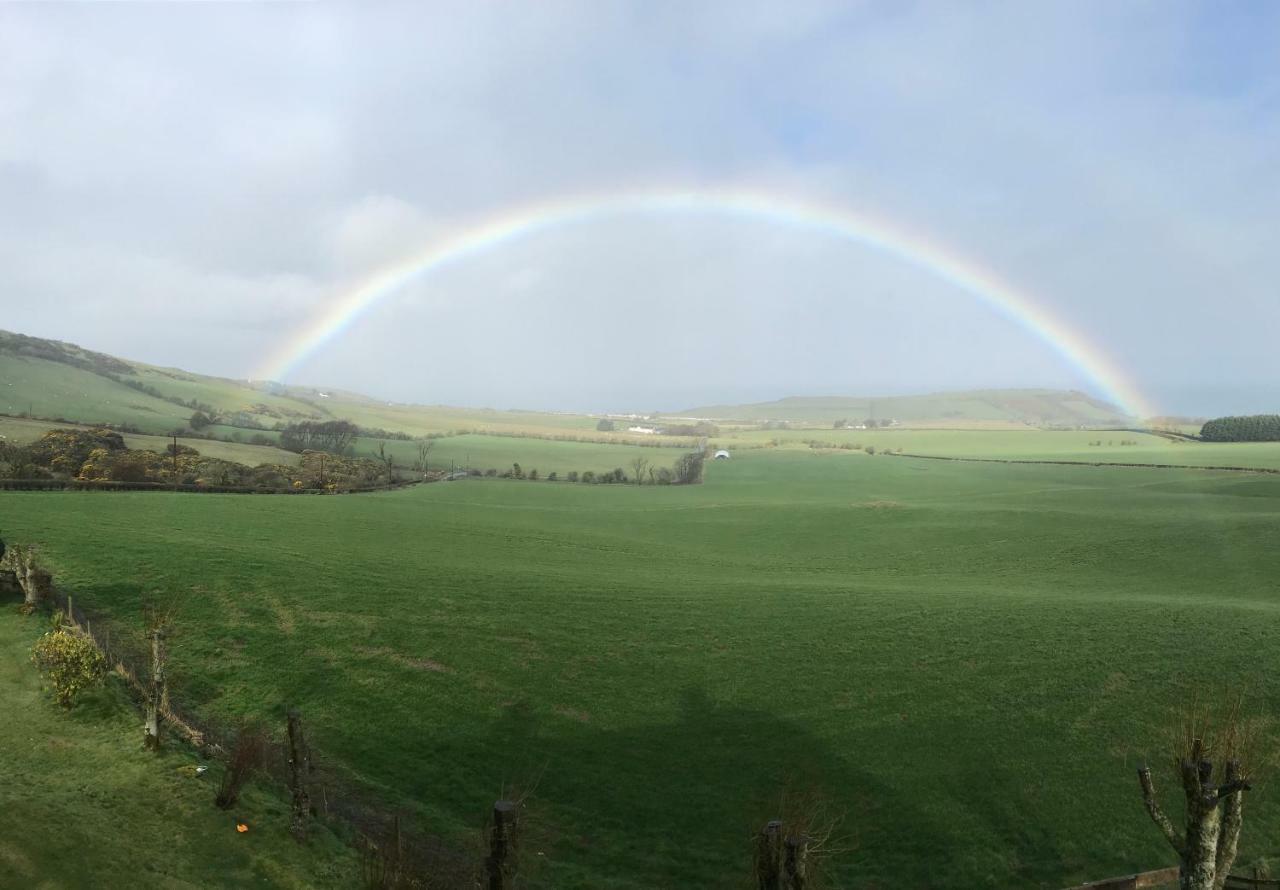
155,694
769,857
1207,847
1232,818
299,769
796,864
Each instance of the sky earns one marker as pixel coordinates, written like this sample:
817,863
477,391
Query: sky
191,185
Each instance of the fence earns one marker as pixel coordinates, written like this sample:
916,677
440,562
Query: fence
87,485
1158,878
331,796
1167,877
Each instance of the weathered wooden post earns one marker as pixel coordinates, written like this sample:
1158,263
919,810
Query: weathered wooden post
768,865
500,865
796,863
299,769
155,693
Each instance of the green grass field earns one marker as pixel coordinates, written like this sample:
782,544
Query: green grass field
967,659
1030,406
1069,445
84,806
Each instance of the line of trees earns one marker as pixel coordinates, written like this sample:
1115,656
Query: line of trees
686,471
333,436
1250,428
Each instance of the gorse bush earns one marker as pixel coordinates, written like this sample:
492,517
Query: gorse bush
70,661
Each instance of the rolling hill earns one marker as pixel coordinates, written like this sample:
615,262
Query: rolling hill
1018,407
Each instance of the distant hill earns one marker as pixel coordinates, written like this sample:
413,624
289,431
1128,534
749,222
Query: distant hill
1030,407
51,380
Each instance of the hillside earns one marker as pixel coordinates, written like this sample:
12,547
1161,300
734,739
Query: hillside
1025,407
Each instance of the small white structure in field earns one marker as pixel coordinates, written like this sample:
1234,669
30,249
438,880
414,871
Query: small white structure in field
648,430
722,455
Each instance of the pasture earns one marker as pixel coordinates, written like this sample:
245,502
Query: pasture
1030,444
966,659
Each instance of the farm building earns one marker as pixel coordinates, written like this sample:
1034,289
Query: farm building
722,455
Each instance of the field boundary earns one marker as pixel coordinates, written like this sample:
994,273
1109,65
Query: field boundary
355,814
1083,463
1137,881
101,485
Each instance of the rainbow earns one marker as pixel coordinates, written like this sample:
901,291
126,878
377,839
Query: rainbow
830,221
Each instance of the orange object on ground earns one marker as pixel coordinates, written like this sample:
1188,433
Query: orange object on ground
241,827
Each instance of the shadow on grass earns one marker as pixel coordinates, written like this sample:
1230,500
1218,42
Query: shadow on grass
677,804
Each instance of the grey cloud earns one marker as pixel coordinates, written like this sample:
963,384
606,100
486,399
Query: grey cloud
188,183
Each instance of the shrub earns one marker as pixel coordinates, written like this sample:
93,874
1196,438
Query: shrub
71,662
572,476
247,755
605,425
491,472
588,476
533,474
553,476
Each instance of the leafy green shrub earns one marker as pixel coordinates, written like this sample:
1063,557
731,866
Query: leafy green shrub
71,662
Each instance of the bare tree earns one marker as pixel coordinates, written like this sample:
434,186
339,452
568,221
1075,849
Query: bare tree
638,465
1207,845
387,459
247,755
424,449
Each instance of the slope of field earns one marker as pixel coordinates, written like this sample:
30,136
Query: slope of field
85,806
1035,407
966,659
53,390
500,452
55,380
1087,446
22,431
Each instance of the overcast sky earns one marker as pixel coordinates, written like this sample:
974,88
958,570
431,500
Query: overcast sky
188,184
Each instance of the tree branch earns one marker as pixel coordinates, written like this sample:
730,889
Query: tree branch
1157,815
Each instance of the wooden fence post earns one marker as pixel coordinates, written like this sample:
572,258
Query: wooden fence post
796,864
499,865
768,865
299,768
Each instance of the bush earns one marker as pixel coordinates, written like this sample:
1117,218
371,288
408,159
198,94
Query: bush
491,472
71,662
247,755
572,476
553,476
588,476
605,425
533,474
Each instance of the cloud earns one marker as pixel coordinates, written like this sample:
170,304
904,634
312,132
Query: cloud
193,169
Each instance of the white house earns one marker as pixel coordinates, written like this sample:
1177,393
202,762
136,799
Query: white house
648,430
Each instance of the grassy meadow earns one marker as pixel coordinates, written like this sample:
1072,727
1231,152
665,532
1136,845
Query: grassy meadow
1030,444
967,660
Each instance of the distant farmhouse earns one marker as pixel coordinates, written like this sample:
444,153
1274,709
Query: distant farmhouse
647,430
